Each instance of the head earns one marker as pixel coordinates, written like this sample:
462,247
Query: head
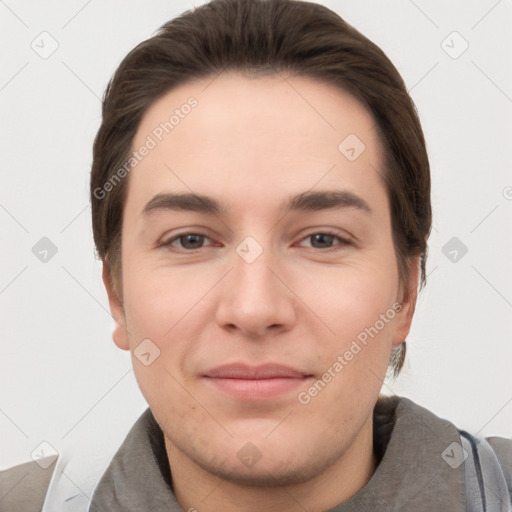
261,115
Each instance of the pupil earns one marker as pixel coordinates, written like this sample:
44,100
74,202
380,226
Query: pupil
322,237
194,238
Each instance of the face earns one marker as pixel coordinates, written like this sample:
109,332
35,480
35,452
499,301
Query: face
261,315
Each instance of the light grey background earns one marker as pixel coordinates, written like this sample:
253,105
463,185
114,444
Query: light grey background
64,381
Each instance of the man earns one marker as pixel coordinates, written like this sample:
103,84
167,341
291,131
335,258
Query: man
261,202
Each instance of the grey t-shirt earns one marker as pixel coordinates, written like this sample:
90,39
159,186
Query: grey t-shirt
423,465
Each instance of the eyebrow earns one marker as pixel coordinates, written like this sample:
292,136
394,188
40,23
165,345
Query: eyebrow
306,201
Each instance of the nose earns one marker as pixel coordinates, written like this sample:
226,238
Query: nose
255,297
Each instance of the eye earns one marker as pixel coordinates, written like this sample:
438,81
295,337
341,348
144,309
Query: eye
324,240
187,241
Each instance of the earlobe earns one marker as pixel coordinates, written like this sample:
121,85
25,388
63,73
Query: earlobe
404,318
119,334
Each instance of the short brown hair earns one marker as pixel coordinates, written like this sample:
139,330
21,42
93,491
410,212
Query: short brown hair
265,37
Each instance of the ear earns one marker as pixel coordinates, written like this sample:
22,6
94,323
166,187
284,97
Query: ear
120,333
406,313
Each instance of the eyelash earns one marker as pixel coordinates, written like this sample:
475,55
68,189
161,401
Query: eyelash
343,241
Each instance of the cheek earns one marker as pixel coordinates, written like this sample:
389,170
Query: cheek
155,299
158,308
352,298
167,306
360,309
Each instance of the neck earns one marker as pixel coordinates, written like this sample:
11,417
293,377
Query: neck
197,489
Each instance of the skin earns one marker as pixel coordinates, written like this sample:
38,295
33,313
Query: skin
296,304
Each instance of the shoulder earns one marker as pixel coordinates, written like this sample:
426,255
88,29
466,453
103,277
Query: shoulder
488,471
478,469
79,471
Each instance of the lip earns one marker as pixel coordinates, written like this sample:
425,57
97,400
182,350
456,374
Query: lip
255,382
247,372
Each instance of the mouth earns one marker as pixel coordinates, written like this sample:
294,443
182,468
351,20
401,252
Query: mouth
263,382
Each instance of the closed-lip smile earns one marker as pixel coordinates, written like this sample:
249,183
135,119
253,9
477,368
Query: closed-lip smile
260,382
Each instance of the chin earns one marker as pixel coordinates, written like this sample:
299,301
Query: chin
268,473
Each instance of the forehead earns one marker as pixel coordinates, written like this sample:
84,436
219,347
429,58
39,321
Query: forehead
236,136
